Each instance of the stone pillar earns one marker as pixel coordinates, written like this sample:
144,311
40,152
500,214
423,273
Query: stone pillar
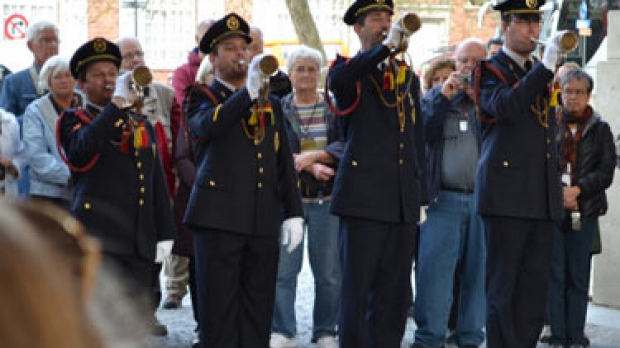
606,270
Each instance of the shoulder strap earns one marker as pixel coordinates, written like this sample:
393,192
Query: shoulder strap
358,86
185,110
482,65
81,115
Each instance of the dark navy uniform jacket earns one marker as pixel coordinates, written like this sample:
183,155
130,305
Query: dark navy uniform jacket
240,187
123,199
381,176
519,171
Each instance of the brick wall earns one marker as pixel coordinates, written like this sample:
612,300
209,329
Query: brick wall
464,22
103,19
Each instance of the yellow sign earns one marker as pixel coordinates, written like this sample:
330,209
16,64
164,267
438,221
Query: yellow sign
585,32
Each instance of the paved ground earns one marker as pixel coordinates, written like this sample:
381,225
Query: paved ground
603,324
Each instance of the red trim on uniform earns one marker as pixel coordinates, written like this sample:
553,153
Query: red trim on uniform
332,107
84,119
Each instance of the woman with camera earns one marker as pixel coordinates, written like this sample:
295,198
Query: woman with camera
588,160
49,176
316,150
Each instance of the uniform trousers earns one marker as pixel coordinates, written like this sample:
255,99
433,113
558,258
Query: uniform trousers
518,266
376,260
236,278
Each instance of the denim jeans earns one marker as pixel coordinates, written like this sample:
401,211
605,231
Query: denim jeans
322,234
569,281
452,234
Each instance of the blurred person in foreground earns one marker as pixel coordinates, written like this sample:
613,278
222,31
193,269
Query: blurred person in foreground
120,193
316,148
46,308
49,175
588,159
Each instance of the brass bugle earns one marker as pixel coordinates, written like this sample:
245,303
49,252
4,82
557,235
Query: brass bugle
141,76
567,40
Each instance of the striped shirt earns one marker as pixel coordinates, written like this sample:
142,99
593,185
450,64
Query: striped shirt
312,127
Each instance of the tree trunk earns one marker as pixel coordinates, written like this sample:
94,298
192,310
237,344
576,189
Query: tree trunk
304,24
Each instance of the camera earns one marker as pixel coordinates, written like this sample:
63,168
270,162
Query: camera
464,79
2,172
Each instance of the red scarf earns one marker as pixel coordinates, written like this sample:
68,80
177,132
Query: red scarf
571,141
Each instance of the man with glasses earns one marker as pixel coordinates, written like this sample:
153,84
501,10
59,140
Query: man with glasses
518,191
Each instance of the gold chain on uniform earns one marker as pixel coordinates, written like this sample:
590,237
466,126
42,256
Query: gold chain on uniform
399,103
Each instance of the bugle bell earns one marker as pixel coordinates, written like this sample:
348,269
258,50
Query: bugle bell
269,65
411,22
141,76
566,40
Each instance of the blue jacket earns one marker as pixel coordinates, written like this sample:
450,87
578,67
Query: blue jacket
241,187
122,199
381,175
49,175
435,107
519,170
17,92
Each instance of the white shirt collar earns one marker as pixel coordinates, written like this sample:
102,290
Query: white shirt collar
514,56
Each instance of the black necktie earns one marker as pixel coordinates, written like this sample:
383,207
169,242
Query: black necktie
528,65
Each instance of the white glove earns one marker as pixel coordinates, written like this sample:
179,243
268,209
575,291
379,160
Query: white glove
292,233
552,53
422,214
396,37
121,88
255,77
164,248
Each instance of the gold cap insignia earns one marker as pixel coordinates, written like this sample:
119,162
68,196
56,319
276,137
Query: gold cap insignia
233,23
99,45
531,3
380,1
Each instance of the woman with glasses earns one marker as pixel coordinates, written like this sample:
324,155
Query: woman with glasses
316,150
588,160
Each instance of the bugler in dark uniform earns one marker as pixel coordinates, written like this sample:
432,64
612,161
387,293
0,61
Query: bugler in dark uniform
379,184
245,186
518,190
119,191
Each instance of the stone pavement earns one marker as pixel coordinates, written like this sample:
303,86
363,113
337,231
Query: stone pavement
603,323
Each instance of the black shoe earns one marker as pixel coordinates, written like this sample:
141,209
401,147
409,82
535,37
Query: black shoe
468,346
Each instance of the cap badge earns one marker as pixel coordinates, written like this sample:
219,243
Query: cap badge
233,23
531,3
99,45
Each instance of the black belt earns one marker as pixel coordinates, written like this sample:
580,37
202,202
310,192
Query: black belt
458,189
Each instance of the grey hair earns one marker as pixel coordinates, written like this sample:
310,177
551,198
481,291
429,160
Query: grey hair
51,68
37,27
304,52
578,74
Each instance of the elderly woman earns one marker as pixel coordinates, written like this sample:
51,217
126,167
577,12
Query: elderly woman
588,159
438,72
49,176
314,142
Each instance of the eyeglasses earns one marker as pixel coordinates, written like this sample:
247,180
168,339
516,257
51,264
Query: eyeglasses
575,92
132,55
305,70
